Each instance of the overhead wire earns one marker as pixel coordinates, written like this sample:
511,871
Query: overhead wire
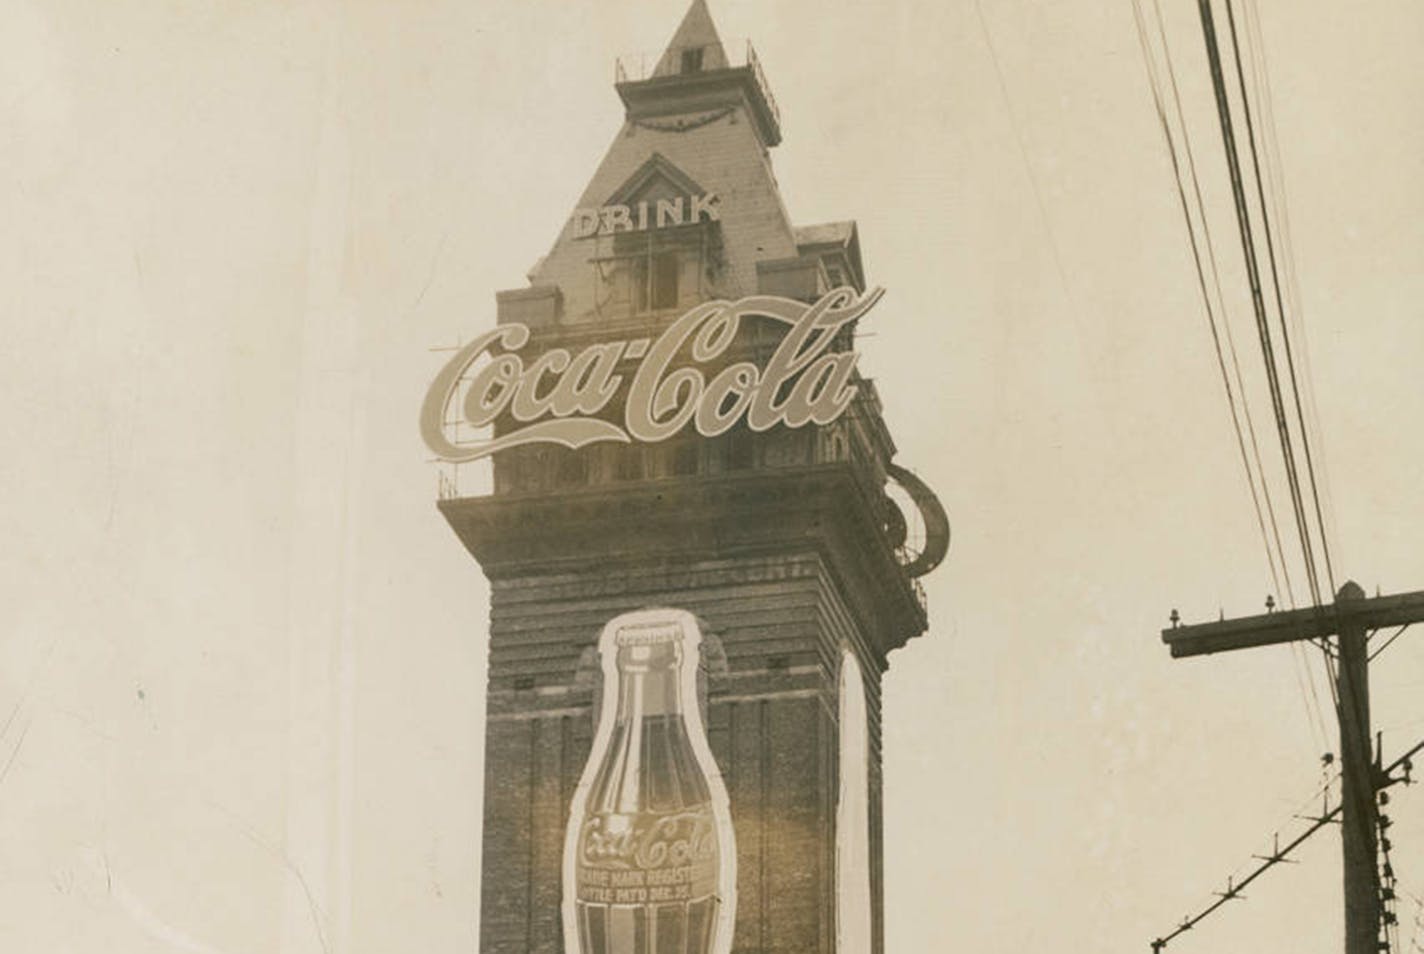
1256,43
1278,554
1309,514
1286,316
1387,642
1262,321
1275,181
1243,216
1276,856
1280,305
1220,326
1303,672
1023,150
1248,238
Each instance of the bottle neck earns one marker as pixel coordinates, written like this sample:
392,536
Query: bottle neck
650,681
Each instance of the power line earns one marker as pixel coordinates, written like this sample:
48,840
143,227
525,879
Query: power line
1248,248
1304,676
1278,855
1300,663
1368,888
1275,170
1388,641
1023,149
1216,280
1280,304
1297,652
1257,44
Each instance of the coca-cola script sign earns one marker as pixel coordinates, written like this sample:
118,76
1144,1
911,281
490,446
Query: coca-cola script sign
648,857
556,397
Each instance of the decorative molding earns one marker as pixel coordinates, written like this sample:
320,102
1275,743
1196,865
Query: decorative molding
681,124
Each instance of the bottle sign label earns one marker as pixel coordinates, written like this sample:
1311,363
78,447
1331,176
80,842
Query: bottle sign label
655,857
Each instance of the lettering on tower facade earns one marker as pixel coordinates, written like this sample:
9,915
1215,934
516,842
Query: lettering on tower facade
555,397
641,216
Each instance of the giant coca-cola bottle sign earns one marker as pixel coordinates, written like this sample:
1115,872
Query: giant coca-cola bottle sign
649,856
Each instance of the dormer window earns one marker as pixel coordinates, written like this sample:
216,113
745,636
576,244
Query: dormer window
692,59
656,240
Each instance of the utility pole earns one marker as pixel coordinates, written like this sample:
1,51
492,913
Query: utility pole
1359,812
1350,619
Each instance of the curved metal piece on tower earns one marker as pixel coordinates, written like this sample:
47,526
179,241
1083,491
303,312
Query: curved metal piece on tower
932,512
897,528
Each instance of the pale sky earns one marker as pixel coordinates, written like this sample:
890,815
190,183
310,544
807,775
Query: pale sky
242,656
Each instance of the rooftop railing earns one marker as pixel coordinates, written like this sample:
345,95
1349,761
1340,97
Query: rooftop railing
686,60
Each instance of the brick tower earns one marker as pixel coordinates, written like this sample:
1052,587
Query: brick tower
782,542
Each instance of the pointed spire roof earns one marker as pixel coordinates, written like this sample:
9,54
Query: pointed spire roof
695,46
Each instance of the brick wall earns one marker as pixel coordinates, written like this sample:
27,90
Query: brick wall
771,724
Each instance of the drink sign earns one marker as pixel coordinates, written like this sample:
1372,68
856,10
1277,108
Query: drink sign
610,219
555,397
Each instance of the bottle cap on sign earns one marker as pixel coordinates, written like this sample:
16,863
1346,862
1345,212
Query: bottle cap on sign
648,634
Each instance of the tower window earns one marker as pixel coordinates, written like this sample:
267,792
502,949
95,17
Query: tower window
692,59
684,459
741,452
656,281
630,463
571,468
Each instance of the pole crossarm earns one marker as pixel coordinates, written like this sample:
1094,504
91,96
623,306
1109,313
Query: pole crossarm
1312,622
1350,619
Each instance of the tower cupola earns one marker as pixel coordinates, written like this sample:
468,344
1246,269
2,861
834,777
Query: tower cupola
696,76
